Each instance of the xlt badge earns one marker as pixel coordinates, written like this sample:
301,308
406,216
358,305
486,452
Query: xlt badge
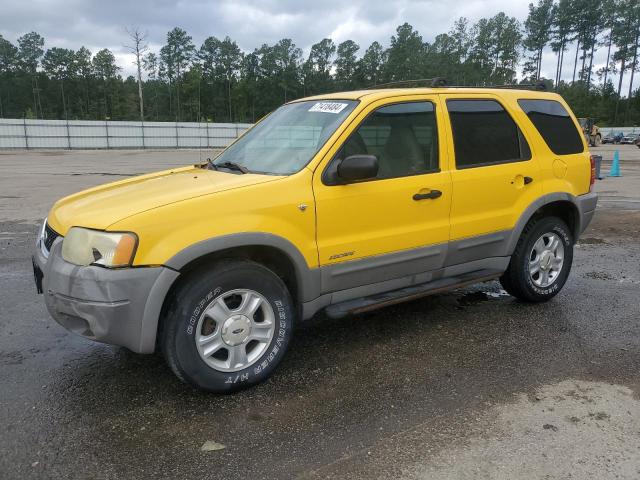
341,255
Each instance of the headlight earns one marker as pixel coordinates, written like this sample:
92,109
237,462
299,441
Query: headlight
82,246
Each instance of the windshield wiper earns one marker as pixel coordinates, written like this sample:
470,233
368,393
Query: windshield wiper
211,165
231,166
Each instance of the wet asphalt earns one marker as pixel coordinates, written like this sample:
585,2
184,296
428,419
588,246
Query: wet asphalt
346,399
75,409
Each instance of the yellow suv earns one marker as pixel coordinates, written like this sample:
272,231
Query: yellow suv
343,203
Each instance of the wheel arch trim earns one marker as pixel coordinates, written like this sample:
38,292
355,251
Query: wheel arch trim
307,279
584,208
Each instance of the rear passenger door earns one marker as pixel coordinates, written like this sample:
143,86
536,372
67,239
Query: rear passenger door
494,175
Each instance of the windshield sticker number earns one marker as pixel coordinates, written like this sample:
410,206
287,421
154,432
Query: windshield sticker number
328,107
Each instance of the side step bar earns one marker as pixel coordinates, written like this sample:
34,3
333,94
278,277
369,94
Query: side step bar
379,300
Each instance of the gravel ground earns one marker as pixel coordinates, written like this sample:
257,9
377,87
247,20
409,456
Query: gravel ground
469,384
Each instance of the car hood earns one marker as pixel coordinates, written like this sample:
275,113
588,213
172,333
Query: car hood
102,206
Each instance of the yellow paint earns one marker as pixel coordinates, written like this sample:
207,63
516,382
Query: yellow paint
174,209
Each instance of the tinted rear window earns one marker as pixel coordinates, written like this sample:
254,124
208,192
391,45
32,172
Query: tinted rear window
555,125
485,134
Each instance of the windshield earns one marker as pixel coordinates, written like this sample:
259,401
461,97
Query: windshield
285,141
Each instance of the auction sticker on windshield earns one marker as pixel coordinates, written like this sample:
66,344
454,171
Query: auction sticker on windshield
328,107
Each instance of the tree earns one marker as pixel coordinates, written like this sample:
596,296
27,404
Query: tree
588,24
138,47
150,64
371,65
496,43
506,32
634,13
176,56
625,35
462,41
404,57
30,51
316,70
60,64
441,58
8,58
84,69
105,68
346,65
284,59
561,34
537,29
228,61
608,20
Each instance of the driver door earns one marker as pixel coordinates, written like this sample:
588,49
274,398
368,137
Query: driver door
396,224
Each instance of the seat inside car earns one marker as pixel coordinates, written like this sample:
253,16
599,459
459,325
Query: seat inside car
402,154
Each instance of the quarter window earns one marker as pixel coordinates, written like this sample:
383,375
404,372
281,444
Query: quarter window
555,125
485,134
403,137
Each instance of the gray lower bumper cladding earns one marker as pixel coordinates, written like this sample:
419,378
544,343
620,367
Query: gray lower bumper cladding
119,306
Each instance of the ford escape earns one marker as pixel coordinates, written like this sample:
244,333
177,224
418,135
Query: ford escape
343,203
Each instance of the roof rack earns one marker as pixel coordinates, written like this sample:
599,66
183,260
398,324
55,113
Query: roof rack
440,82
433,82
539,85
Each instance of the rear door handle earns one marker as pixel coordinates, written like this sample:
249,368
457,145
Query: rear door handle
432,195
528,180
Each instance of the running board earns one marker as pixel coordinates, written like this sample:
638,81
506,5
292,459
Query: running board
379,300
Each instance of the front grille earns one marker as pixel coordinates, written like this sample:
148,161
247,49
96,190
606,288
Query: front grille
49,236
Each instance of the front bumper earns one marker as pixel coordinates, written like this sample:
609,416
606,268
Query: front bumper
119,306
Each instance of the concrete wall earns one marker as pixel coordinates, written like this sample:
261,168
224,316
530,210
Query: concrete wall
86,134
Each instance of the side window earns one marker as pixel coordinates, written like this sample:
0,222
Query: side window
485,134
403,137
554,124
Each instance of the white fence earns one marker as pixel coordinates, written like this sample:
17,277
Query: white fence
85,134
616,130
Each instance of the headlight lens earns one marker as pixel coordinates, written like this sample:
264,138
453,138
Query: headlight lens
83,246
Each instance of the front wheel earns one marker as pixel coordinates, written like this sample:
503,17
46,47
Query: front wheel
541,262
227,327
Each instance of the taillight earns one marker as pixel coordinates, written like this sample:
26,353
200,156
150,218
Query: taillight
592,180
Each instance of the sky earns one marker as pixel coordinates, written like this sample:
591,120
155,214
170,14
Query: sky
101,24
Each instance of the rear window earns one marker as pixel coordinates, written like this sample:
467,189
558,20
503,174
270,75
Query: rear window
555,125
485,134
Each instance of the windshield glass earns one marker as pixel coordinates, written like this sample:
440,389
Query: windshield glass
285,141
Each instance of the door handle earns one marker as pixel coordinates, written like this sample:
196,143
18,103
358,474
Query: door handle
527,180
432,195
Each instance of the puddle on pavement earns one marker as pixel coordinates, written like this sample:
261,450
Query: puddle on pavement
473,298
591,241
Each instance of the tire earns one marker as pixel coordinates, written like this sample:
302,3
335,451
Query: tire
235,306
519,281
597,141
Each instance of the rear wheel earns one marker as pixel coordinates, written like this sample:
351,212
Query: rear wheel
541,262
597,141
228,327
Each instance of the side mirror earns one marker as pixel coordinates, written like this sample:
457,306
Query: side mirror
358,167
